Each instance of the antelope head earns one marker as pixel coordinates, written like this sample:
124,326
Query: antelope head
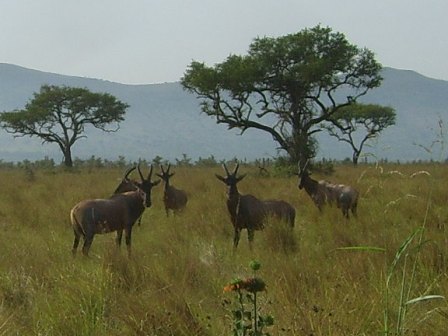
165,175
146,185
304,174
231,179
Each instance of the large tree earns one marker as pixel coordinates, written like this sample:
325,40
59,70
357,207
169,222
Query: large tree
60,114
285,86
356,124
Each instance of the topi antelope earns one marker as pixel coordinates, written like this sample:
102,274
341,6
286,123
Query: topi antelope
323,192
174,199
248,212
126,183
117,213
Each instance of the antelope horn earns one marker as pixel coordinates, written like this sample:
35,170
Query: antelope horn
236,168
306,165
128,172
161,168
150,173
225,168
168,169
140,172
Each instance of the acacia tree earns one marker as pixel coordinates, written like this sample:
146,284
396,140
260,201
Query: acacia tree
60,114
358,123
285,86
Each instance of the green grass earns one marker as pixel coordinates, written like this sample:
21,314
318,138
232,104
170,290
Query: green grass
329,276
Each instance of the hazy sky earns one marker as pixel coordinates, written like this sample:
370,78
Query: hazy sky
153,41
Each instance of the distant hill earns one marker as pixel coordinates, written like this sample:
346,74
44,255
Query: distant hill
165,120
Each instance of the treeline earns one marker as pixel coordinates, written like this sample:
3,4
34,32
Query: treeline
265,166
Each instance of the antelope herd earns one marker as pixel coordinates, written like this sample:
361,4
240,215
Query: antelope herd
120,211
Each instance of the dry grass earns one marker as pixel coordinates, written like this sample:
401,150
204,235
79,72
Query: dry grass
173,284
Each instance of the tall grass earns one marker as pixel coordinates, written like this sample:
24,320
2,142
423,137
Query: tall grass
319,280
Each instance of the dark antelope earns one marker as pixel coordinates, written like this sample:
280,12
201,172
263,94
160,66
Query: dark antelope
323,192
248,212
173,198
117,213
127,184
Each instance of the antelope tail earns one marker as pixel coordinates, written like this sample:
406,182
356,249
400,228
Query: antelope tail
75,223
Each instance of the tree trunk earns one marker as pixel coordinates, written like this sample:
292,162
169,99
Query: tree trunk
68,162
355,158
302,148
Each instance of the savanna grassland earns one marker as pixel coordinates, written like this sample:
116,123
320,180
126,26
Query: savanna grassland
329,276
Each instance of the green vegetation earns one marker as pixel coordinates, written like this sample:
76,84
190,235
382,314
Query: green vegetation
60,115
286,86
348,123
384,273
246,317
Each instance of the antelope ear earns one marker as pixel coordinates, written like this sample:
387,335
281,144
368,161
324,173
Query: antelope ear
159,175
219,177
155,183
171,175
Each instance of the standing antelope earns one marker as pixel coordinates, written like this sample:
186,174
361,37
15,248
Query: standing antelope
117,213
127,184
323,192
174,199
248,212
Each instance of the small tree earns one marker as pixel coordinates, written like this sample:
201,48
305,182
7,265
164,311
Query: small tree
358,123
60,114
285,86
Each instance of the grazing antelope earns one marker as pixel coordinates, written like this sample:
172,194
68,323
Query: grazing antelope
323,192
117,213
173,198
248,212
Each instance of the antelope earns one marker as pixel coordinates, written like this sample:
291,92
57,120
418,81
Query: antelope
323,192
126,183
174,199
116,213
250,213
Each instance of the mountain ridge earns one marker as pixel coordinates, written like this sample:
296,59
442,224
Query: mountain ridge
164,120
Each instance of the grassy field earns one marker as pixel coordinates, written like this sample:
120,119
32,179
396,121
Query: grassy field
331,277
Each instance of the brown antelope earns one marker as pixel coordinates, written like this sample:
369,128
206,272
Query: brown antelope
117,213
323,192
173,198
250,213
126,183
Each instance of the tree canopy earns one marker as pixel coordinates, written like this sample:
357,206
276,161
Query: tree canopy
285,86
358,123
60,114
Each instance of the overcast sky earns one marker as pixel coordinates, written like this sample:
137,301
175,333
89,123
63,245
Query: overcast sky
153,41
